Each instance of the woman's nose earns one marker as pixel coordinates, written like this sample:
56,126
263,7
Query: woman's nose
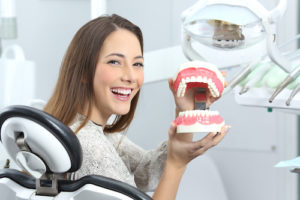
129,74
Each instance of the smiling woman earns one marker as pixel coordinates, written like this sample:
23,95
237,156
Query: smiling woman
101,75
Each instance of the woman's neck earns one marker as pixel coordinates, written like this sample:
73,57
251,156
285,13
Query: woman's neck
97,116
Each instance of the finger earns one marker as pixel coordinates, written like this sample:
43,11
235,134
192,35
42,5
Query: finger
225,84
172,130
208,139
217,139
224,73
170,81
200,151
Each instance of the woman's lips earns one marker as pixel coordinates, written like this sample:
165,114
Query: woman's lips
122,93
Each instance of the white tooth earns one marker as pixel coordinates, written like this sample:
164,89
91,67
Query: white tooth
183,81
194,113
209,81
186,113
179,89
205,79
181,114
206,113
182,91
188,79
193,79
199,79
190,113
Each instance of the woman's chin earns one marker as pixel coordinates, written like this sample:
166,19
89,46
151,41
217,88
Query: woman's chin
123,111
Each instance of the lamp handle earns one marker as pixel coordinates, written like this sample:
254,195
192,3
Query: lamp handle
278,11
188,51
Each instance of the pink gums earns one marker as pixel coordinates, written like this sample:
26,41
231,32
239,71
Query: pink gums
198,71
205,120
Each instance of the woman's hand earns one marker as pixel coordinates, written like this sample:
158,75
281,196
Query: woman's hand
181,152
187,102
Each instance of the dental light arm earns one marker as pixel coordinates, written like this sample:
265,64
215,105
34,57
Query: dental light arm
187,49
278,11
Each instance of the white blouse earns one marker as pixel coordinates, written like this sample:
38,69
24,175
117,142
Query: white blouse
115,156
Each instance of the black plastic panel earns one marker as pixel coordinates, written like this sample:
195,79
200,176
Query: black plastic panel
63,133
71,186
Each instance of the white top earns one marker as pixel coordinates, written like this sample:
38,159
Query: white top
115,156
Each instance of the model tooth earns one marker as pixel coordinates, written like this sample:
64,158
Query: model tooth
182,91
188,79
181,114
218,93
209,81
206,112
205,79
183,81
193,79
186,113
194,113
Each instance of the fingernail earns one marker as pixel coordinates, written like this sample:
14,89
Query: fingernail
227,127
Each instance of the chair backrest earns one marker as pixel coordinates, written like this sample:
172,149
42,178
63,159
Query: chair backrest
45,148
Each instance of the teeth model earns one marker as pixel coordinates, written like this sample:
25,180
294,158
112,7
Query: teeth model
197,74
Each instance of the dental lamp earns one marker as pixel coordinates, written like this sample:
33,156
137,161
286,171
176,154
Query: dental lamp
231,26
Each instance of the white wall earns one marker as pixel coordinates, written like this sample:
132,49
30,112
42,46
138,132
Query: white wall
45,28
257,140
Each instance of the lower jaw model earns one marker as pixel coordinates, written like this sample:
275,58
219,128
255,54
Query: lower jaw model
202,76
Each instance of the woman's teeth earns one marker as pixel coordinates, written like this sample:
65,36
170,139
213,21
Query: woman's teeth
122,91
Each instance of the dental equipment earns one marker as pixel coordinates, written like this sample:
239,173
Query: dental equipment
48,151
232,25
257,74
293,94
8,28
204,78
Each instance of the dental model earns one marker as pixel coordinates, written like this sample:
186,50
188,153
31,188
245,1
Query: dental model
203,76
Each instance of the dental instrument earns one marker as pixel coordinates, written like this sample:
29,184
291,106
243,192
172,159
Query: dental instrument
204,78
292,95
232,26
241,75
257,74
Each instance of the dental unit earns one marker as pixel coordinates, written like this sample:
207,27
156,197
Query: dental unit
204,78
234,25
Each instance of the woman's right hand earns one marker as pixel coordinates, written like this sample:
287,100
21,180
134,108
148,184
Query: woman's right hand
181,152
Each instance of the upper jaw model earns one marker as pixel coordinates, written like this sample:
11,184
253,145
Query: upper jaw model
202,76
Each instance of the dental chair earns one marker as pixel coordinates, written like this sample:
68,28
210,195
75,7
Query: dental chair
46,150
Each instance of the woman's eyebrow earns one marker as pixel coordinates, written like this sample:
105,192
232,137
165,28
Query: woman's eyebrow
123,56
138,57
115,54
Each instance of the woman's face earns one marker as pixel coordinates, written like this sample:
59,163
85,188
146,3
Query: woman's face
119,73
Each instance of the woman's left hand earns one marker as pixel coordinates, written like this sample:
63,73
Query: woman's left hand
187,102
181,152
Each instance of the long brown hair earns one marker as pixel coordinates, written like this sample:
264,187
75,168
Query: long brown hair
74,89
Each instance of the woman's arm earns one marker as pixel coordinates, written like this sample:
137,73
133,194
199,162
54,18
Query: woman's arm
180,153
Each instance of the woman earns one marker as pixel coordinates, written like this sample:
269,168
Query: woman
101,75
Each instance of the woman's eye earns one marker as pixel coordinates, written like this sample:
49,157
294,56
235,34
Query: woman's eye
113,62
139,64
